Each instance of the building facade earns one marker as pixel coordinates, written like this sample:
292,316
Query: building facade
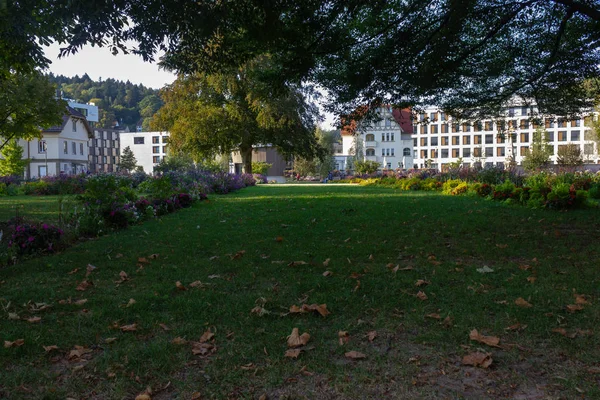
61,149
439,139
104,150
386,141
268,154
149,148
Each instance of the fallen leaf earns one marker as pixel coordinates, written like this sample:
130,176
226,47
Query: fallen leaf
73,272
143,396
119,255
16,343
516,327
179,341
320,308
296,263
489,340
279,239
521,302
206,336
84,285
153,256
343,337
326,262
48,349
143,260
371,335
179,286
296,340
371,257
355,355
390,265
110,340
327,273
292,353
485,270
501,246
78,352
34,320
478,359
531,279
203,349
13,316
164,327
260,311
130,303
594,370
213,258
574,307
421,282
129,328
563,332
422,296
197,284
434,316
347,240
357,286
525,267
448,322
239,254
581,299
80,302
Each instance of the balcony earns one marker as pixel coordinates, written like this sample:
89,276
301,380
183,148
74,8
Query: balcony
370,143
371,158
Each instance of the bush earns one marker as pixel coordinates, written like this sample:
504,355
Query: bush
594,191
366,167
260,167
504,191
449,186
29,238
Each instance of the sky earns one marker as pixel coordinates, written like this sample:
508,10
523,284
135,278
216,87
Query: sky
99,62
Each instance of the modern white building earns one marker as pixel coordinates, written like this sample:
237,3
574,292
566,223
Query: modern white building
61,149
440,139
89,111
149,148
386,141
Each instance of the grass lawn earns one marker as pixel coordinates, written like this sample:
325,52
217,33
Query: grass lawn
35,208
264,248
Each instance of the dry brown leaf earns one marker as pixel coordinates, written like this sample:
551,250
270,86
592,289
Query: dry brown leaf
78,352
294,309
448,322
89,269
73,272
524,267
516,327
110,340
180,286
371,257
327,273
153,256
13,316
478,359
279,239
34,320
80,302
123,276
563,332
531,279
581,299
434,316
326,262
164,327
357,286
296,263
371,335
422,296
16,343
390,265
594,370
197,284
206,336
260,311
179,340
239,254
143,260
355,355
48,349
501,246
489,340
521,302
203,349
297,340
129,328
343,337
130,303
574,307
84,285
143,396
292,353
421,282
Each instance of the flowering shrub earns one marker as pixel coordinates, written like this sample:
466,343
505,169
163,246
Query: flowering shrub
29,238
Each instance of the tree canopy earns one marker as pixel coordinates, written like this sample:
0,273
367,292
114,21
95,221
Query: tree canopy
213,114
457,54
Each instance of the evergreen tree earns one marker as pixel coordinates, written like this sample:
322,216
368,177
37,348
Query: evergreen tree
12,162
539,152
128,161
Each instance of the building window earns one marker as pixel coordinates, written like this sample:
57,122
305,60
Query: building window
524,137
65,147
42,146
423,153
524,150
444,153
455,128
444,128
155,149
370,137
423,129
444,140
423,141
415,142
575,136
155,139
454,140
406,152
138,140
477,152
576,123
155,159
549,123
392,136
383,137
434,141
455,153
392,152
434,129
443,116
387,152
489,126
477,126
477,139
433,116
165,149
74,126
466,139
500,139
561,123
73,148
387,123
562,136
467,152
434,154
466,127
550,136
489,151
370,152
524,124
500,151
81,148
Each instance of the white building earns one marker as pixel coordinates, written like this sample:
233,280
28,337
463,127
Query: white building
149,148
61,149
387,141
439,139
90,111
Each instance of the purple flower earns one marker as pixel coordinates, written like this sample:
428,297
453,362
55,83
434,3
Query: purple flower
45,226
30,239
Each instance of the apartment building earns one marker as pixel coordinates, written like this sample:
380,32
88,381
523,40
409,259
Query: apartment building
104,150
387,141
149,148
439,139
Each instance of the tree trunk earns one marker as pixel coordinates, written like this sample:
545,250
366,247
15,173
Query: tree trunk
246,153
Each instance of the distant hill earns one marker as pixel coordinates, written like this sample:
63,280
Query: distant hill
119,101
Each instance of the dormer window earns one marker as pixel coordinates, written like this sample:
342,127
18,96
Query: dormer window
74,126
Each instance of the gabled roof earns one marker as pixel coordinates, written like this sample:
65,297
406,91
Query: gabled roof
70,113
404,119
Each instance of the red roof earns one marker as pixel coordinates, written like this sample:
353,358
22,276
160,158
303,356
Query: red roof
404,119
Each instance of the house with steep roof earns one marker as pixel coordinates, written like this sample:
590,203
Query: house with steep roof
61,149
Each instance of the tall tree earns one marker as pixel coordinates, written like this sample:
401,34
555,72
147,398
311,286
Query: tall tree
569,155
12,162
128,161
26,106
539,152
213,114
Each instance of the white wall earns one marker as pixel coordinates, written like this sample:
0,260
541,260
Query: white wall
145,152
